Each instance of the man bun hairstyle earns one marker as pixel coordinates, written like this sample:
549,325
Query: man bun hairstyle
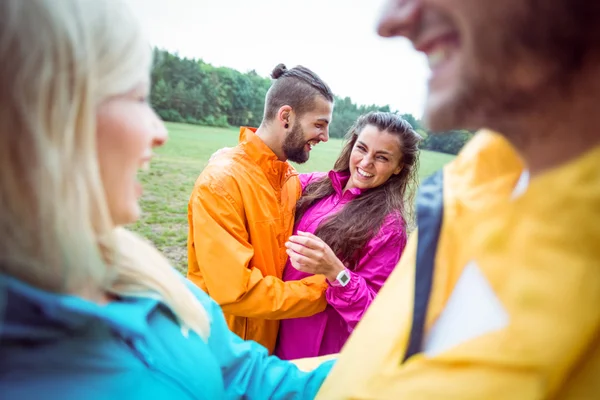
278,71
298,88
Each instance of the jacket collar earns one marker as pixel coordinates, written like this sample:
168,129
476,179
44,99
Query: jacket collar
32,313
339,179
276,171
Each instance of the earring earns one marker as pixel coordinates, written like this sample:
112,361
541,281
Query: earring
287,126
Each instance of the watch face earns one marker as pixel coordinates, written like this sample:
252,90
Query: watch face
344,279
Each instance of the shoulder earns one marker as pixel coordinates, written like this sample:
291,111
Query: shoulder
211,307
392,231
225,175
220,337
393,223
225,167
310,177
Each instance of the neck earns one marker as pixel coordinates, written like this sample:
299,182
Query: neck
561,129
555,147
271,139
348,185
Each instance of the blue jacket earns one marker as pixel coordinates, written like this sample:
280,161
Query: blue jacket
59,346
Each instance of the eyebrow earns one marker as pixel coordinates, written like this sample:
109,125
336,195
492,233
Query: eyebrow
379,152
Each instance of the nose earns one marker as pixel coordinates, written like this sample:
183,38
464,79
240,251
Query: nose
399,18
159,132
366,161
324,137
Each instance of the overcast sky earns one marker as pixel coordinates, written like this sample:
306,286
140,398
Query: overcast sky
334,38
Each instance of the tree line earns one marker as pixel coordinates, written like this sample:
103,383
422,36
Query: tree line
195,92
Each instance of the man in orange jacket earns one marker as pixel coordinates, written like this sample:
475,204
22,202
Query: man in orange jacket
241,211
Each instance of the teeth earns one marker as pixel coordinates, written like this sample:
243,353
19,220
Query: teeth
363,173
437,56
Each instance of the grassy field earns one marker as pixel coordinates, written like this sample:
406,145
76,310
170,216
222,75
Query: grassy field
176,166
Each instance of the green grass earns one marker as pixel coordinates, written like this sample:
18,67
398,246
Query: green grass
176,166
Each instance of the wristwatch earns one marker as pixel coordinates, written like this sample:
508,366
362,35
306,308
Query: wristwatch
341,279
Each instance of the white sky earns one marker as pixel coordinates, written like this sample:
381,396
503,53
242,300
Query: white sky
334,38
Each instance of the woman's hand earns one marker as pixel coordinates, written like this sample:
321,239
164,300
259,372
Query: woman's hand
308,253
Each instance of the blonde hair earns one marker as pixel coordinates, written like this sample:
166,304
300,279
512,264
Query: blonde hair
61,59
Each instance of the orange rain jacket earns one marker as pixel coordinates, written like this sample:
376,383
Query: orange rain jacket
240,215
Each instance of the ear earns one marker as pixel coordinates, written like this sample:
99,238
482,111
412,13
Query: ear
398,169
285,115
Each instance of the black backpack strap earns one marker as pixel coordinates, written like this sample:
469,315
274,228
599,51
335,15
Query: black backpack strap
430,211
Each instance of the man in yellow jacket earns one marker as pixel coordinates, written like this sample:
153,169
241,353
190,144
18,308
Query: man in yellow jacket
241,211
503,301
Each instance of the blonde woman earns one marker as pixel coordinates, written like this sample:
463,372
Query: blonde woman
92,311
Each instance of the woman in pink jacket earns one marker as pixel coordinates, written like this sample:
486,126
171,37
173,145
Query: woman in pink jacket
351,227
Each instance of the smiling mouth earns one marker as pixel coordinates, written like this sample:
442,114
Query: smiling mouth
312,143
145,163
437,57
363,173
438,49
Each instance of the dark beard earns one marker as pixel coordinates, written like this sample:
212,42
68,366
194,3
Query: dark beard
550,37
293,145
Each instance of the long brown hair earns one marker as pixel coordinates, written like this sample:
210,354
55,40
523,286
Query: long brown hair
349,230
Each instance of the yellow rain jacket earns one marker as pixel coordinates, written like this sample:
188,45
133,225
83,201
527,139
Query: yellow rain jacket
504,301
240,215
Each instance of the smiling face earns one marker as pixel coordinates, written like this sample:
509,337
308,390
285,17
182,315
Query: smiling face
307,131
376,156
127,131
489,60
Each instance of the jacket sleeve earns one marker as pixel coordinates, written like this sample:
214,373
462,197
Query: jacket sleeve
381,256
248,370
223,252
307,178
